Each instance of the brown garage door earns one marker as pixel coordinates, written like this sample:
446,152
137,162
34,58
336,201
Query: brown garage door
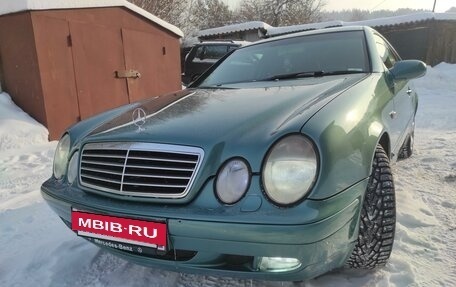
57,72
155,57
97,55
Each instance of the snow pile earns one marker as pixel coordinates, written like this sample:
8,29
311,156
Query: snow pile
37,249
18,129
25,157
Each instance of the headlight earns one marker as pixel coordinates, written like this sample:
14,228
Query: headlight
290,170
232,181
73,168
61,156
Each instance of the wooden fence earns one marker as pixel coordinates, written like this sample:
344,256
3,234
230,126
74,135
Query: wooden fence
432,41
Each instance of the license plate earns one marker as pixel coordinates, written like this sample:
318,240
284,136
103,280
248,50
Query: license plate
119,229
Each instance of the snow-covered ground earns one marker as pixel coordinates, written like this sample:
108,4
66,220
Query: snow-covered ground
37,249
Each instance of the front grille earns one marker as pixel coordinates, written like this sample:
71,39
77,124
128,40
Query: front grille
140,169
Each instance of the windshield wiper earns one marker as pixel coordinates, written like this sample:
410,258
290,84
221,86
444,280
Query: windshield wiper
309,74
293,76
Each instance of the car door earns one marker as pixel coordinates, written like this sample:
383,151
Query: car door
404,99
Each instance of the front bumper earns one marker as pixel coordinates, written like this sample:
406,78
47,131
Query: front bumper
233,248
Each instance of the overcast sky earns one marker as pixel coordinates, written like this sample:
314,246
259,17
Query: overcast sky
442,5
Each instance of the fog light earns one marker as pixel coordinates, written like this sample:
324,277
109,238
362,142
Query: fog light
277,264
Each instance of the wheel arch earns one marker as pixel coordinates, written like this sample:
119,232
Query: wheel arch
384,141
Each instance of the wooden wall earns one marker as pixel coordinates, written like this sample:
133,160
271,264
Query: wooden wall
431,41
19,64
442,46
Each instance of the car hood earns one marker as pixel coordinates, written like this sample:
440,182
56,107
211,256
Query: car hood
226,122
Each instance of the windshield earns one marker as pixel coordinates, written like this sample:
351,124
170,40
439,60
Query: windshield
297,57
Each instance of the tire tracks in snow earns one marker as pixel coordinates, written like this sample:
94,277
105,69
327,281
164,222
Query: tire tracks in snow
426,213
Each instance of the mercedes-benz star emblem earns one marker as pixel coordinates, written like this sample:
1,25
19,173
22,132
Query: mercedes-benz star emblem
139,118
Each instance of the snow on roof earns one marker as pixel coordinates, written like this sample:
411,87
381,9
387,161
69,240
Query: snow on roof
274,31
234,28
386,21
192,42
445,16
7,7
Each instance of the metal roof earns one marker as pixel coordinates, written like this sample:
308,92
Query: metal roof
253,25
379,22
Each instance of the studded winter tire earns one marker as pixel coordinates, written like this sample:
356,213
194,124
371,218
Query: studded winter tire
378,217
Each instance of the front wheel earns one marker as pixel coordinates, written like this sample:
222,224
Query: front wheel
378,217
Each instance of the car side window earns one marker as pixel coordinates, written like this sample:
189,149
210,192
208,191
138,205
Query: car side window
216,52
386,54
231,48
210,53
199,53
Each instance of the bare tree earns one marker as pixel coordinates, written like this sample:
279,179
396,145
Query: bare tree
176,12
277,11
358,15
193,15
281,12
210,13
301,12
251,10
189,15
168,10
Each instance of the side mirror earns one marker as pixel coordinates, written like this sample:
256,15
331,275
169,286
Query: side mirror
408,70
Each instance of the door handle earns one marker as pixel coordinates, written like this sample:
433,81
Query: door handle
128,74
409,91
393,114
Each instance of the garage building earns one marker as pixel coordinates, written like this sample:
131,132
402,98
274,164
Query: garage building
64,61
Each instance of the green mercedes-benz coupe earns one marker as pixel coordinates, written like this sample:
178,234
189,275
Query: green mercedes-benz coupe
274,164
